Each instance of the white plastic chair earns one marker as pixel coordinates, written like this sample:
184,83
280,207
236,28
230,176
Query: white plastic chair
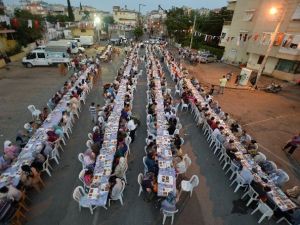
81,159
140,180
89,143
79,193
254,196
169,214
120,196
90,136
34,112
127,142
54,155
240,182
265,210
145,165
284,219
81,178
188,186
47,166
233,169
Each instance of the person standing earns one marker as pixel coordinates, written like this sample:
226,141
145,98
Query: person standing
223,82
292,144
93,112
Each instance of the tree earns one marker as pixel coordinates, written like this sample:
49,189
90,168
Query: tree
57,18
70,11
138,32
107,20
24,34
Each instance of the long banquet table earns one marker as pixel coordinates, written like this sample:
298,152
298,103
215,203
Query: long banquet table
11,176
276,194
166,175
99,191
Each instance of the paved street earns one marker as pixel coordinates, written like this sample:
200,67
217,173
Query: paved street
212,203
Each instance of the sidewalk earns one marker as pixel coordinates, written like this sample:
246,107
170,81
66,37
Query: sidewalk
271,119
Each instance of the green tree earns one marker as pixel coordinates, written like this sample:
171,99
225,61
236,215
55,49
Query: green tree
24,34
138,32
70,11
107,20
57,18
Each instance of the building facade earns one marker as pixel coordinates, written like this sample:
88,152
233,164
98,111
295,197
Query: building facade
125,16
247,37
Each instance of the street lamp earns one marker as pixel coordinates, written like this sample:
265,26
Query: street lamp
97,22
273,12
140,12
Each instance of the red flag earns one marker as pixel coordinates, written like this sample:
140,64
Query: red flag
36,24
15,22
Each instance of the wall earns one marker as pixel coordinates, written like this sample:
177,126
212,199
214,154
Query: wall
76,32
5,44
286,76
270,65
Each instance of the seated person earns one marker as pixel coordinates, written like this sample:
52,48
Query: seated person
261,189
121,150
10,150
294,194
152,163
11,193
88,177
44,114
267,167
149,185
115,187
89,158
21,138
246,175
30,177
252,148
169,204
177,141
121,168
52,136
245,139
4,162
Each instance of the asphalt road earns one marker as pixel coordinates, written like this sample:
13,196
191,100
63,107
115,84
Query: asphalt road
213,201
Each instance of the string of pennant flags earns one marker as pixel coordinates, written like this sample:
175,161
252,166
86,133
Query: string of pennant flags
281,39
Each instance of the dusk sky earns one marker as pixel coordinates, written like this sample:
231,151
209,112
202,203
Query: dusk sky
133,4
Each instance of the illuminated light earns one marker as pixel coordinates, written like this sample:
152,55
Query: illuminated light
273,11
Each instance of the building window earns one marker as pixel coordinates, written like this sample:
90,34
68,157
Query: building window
260,59
296,15
288,66
248,14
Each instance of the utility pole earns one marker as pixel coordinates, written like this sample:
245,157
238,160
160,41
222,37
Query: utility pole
273,37
193,30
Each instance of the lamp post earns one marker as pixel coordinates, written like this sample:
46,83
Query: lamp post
193,30
140,12
97,22
273,11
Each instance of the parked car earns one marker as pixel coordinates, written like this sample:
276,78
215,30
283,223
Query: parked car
207,58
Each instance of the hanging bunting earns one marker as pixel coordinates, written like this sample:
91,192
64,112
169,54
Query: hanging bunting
15,22
29,23
36,24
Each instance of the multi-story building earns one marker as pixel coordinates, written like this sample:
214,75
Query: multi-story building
247,37
57,9
125,16
155,22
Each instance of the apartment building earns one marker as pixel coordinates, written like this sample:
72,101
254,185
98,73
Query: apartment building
247,37
125,16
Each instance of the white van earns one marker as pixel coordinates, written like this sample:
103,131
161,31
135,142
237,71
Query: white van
44,58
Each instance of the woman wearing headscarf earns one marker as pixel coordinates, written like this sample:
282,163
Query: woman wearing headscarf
169,204
121,168
10,150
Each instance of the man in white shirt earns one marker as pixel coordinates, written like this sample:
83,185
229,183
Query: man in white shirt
131,126
218,134
223,82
